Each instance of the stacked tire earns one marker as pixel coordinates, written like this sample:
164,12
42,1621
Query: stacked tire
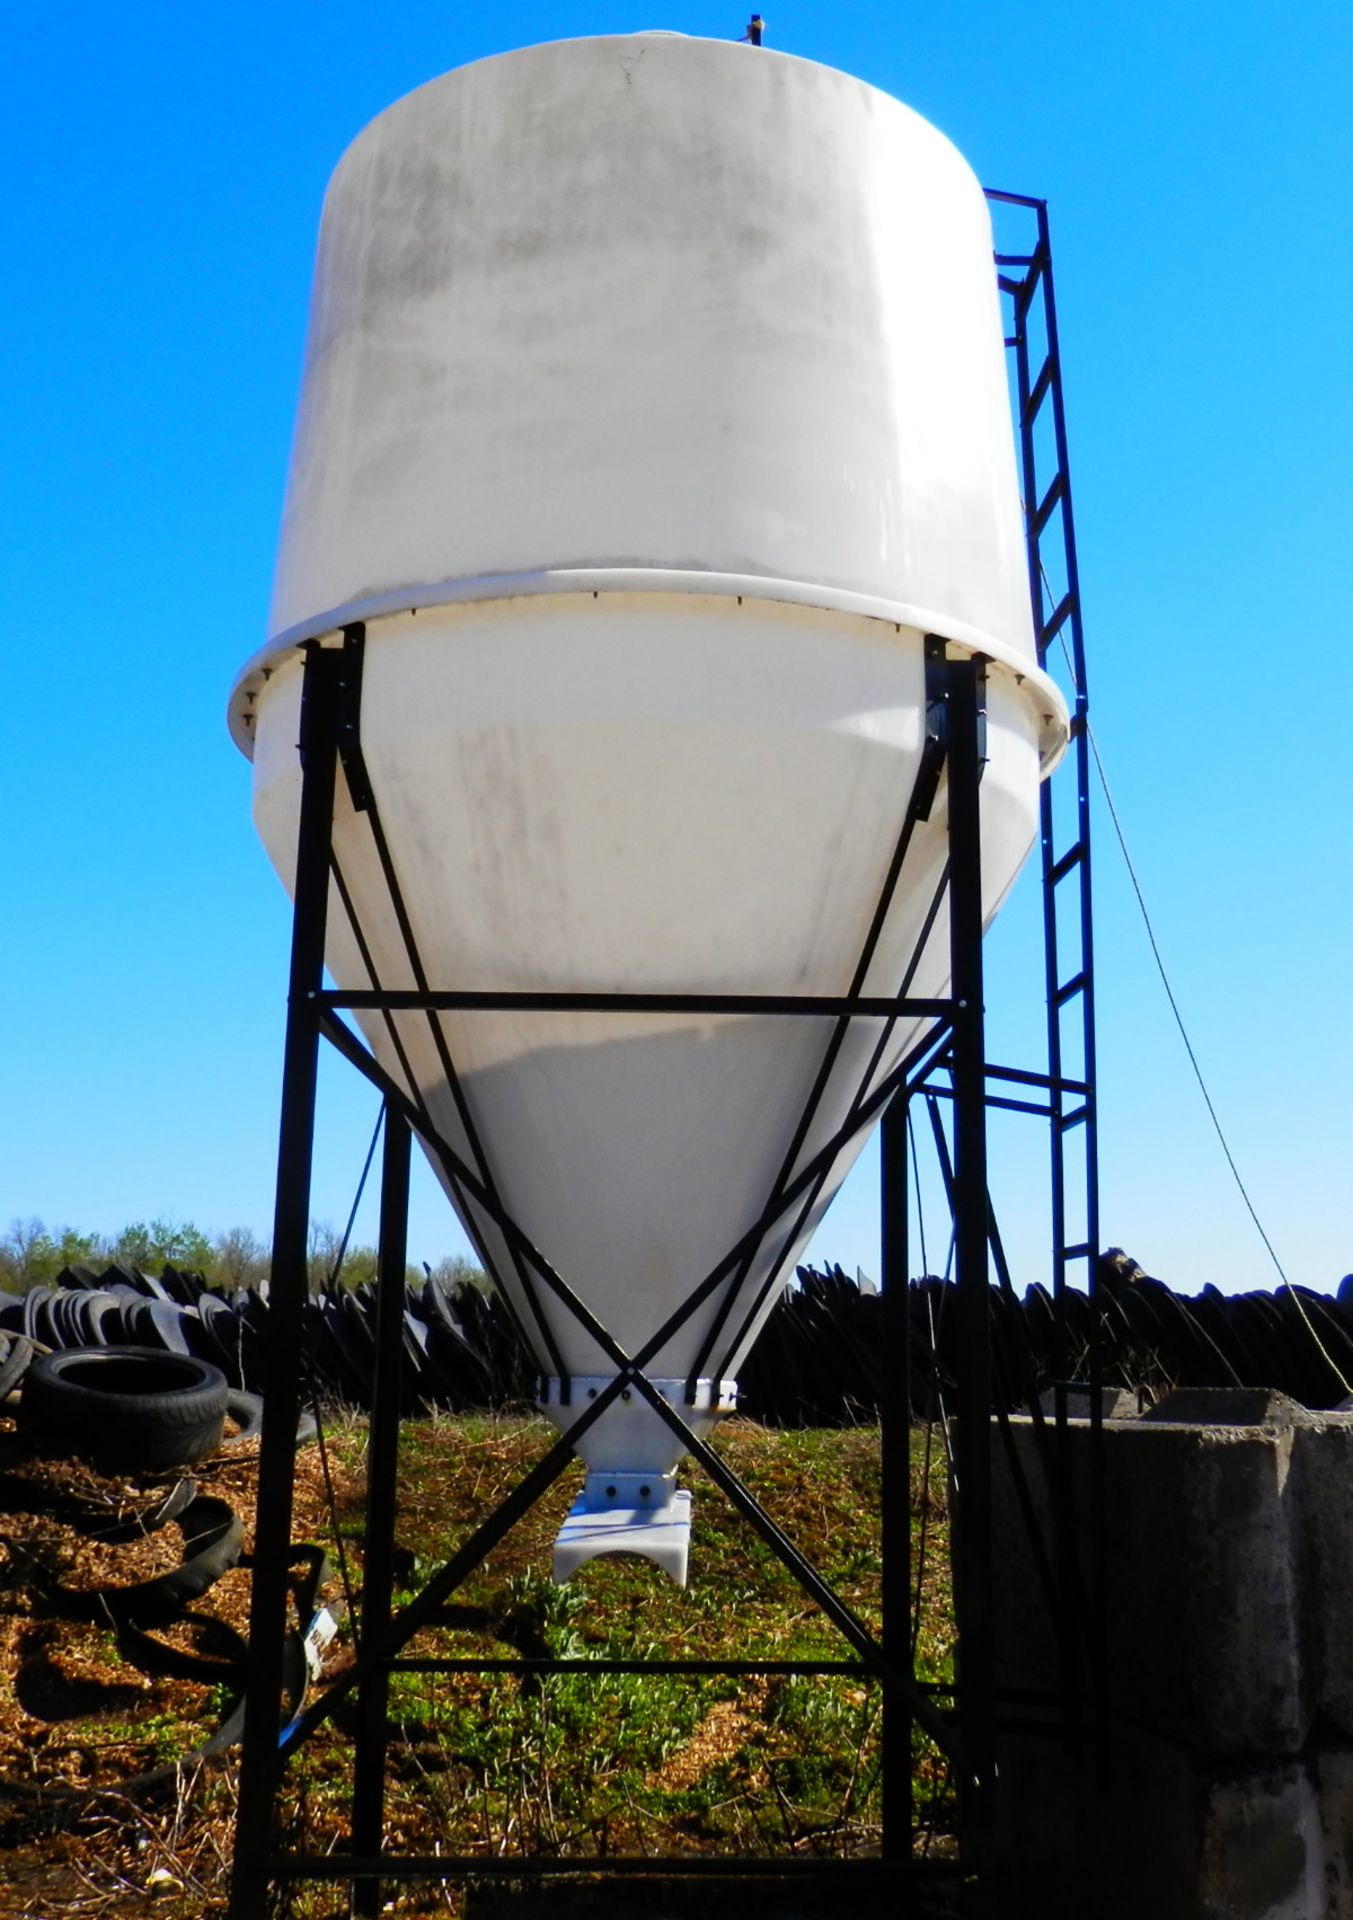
124,1409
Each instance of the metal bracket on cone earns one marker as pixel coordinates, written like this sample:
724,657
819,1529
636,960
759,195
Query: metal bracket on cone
630,1501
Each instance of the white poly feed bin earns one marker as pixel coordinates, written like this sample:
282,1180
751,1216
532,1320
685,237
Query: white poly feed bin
654,410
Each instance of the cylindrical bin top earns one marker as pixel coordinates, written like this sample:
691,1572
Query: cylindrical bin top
649,311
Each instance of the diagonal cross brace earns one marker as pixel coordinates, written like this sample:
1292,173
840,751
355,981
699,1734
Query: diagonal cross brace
421,1612
820,1177
861,1114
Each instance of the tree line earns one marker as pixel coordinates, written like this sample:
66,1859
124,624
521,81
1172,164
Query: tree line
33,1254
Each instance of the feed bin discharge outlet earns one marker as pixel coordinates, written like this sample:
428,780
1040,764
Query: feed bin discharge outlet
654,436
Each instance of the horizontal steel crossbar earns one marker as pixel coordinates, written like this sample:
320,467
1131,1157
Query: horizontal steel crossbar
1025,1077
810,1006
470,1664
1031,200
522,1866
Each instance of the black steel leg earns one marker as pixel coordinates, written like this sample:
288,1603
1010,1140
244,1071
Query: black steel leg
973,1567
896,1490
368,1798
268,1625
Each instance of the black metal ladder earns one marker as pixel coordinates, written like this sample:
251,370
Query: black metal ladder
1025,279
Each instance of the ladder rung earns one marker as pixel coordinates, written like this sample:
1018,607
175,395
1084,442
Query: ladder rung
1081,1251
1020,1106
1048,502
1071,858
1057,618
1073,1086
1069,989
1038,393
1066,1121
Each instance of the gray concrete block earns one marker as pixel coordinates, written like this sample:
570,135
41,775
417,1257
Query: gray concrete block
1230,1407
1261,1848
1173,1837
1332,1771
1208,1644
1322,1546
1230,1569
1115,1403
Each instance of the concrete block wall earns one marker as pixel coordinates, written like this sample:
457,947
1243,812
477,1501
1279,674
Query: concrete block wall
1229,1528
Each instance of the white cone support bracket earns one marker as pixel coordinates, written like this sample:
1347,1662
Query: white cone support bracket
630,1502
627,1513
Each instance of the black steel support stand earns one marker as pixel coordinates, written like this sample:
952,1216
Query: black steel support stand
958,723
954,1070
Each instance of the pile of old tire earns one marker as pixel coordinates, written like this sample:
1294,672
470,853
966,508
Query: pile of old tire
138,1414
143,1418
15,1354
819,1359
461,1348
1147,1336
816,1362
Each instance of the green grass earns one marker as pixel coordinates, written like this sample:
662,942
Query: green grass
583,1764
574,1765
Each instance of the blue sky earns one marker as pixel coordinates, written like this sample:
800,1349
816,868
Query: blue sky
165,168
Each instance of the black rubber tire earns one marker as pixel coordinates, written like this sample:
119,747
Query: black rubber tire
213,1539
59,1806
19,1494
15,1354
246,1409
124,1409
